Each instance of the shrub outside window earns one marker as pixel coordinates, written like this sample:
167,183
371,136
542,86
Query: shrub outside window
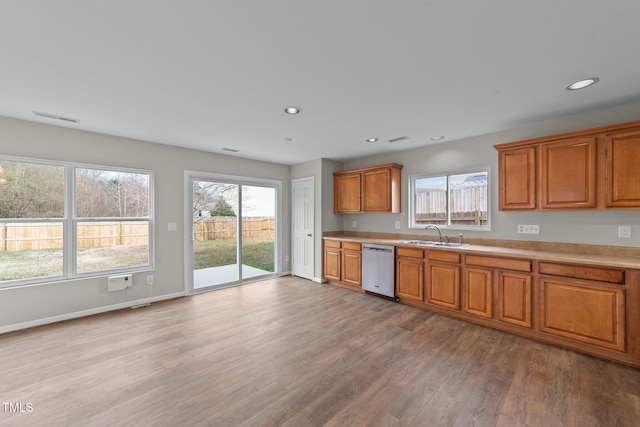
59,221
455,200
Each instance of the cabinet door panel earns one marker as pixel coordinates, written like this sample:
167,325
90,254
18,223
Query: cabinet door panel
347,193
514,292
332,264
352,267
376,191
568,174
623,171
478,292
443,285
409,278
587,313
517,170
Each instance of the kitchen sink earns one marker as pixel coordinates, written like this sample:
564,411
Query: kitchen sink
435,243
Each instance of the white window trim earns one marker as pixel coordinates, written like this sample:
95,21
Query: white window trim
69,222
411,199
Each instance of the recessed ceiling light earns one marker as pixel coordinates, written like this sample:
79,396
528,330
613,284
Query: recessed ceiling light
372,139
581,84
437,138
292,110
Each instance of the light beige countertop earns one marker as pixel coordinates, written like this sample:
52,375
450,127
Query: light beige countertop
603,256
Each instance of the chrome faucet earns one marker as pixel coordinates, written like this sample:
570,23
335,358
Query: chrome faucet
436,227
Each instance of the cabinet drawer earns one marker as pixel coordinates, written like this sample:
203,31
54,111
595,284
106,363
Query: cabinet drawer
504,263
610,275
443,256
332,244
351,246
410,252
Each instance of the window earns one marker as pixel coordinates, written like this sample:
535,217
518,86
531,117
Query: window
60,221
457,200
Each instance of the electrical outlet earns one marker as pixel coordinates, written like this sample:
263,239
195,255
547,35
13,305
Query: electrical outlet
528,229
397,225
150,279
353,224
624,231
286,258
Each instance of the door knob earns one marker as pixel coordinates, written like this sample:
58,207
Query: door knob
308,235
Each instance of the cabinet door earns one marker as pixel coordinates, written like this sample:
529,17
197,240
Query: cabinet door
352,267
514,290
623,170
347,193
332,263
409,278
443,285
478,292
517,178
592,314
568,174
378,188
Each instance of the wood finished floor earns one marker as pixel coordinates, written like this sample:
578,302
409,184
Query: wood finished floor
289,352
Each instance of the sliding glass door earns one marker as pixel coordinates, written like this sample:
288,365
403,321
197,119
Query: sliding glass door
233,232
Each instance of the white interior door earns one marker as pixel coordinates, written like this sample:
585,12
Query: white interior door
303,228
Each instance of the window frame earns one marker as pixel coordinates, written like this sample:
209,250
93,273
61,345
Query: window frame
411,196
70,222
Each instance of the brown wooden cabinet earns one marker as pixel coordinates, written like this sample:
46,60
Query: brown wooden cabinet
588,169
514,294
517,177
347,190
623,169
410,274
478,292
332,260
568,174
583,303
352,263
442,279
342,263
374,189
500,288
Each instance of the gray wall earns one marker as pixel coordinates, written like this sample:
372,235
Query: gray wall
28,305
586,227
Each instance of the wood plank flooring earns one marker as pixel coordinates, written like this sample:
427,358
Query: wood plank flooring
290,352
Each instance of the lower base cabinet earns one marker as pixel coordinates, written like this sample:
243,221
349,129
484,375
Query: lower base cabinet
443,285
342,263
592,314
514,294
410,275
478,292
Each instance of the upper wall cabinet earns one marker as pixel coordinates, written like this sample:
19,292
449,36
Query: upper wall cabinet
374,189
623,169
589,169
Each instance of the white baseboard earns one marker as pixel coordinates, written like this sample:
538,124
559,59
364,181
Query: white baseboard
83,313
318,280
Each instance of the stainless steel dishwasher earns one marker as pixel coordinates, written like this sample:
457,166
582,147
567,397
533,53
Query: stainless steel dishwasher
378,269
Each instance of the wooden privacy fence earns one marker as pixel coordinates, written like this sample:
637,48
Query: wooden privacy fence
224,228
469,206
34,236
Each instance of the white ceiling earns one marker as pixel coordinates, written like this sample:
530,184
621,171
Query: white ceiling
208,74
